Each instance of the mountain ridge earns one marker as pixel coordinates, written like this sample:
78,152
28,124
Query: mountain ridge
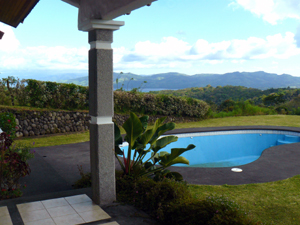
174,80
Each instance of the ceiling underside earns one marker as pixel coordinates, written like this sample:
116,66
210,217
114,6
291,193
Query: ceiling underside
105,9
13,12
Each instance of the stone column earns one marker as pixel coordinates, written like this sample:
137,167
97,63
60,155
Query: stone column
101,108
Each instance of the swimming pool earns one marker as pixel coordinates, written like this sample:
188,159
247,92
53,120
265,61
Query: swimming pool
229,148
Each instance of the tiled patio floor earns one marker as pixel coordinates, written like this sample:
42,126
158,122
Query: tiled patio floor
4,216
78,209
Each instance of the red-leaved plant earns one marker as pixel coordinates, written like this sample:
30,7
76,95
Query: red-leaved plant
12,168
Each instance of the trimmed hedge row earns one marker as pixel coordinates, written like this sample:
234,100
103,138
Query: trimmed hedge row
56,95
48,94
151,104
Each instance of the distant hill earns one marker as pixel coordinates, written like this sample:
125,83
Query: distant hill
260,80
219,94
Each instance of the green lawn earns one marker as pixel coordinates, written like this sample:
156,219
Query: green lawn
268,120
272,203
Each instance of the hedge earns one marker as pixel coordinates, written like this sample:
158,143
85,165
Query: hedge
46,94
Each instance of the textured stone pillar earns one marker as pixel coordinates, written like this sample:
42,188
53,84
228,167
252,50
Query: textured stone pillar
101,109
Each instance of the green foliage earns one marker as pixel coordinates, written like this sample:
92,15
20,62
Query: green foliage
4,95
141,142
297,111
8,124
236,93
231,108
218,94
210,211
85,180
227,105
56,95
12,167
151,104
170,202
70,96
292,107
9,82
23,150
148,194
273,99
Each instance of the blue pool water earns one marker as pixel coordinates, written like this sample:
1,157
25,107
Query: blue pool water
227,149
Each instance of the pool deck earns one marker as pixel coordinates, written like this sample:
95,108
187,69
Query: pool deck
54,171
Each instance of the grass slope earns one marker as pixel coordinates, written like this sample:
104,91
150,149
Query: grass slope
272,203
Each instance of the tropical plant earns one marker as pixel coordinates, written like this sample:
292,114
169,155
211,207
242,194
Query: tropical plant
141,142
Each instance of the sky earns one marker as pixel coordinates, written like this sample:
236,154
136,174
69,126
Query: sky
184,36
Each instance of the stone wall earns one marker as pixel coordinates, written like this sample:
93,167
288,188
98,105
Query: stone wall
35,123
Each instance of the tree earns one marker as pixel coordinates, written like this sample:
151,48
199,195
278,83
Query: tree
8,82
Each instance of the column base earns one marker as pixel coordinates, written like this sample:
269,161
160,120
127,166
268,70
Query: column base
102,163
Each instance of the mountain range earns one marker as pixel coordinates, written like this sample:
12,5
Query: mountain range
260,80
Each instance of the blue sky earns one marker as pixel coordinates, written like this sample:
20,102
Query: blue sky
185,36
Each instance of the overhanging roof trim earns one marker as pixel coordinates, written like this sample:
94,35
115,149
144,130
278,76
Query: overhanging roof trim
75,3
13,12
107,9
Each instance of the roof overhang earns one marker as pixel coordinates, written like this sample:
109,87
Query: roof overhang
105,9
13,12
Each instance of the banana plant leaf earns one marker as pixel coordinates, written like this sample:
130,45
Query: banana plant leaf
146,137
144,121
166,159
134,128
161,130
163,142
178,159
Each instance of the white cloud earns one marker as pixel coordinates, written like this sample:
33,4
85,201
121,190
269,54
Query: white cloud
13,56
172,52
271,11
9,42
297,37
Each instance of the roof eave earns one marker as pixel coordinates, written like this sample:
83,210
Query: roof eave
75,3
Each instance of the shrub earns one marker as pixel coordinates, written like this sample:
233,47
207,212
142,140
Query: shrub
85,180
170,202
8,124
56,95
70,96
151,104
211,211
12,167
148,194
4,95
244,109
23,150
